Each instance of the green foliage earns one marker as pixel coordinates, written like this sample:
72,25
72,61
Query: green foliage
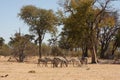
19,41
117,54
18,44
46,49
5,50
56,51
63,43
117,39
40,21
83,23
31,49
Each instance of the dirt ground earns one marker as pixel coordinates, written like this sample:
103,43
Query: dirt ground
30,71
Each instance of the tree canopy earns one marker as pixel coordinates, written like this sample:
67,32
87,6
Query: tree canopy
40,22
84,22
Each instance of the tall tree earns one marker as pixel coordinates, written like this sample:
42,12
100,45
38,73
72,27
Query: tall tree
40,21
85,13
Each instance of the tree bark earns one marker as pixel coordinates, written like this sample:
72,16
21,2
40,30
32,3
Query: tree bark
93,46
21,54
104,48
102,54
40,42
94,57
85,51
114,48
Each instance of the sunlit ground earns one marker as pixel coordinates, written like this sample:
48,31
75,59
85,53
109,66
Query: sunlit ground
30,71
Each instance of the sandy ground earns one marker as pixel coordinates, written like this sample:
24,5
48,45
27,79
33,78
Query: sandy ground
21,71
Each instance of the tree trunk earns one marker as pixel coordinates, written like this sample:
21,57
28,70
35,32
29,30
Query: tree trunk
114,48
102,53
104,48
93,46
40,42
21,58
94,57
85,51
21,54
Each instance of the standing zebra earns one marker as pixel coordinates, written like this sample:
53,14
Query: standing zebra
43,61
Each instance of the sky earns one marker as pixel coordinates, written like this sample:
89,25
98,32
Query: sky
10,22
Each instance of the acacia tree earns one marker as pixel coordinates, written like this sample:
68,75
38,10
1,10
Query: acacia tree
85,13
18,44
40,21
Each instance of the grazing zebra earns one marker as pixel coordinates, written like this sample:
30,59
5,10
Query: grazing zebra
55,62
43,61
83,60
59,60
49,60
75,61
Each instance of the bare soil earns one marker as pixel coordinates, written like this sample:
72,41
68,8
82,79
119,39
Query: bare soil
30,71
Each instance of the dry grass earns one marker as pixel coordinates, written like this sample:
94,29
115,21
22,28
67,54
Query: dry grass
30,71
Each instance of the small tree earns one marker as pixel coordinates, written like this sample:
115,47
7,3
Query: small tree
18,43
40,21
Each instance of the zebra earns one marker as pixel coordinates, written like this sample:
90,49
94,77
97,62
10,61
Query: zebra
59,60
83,60
43,61
75,61
49,60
